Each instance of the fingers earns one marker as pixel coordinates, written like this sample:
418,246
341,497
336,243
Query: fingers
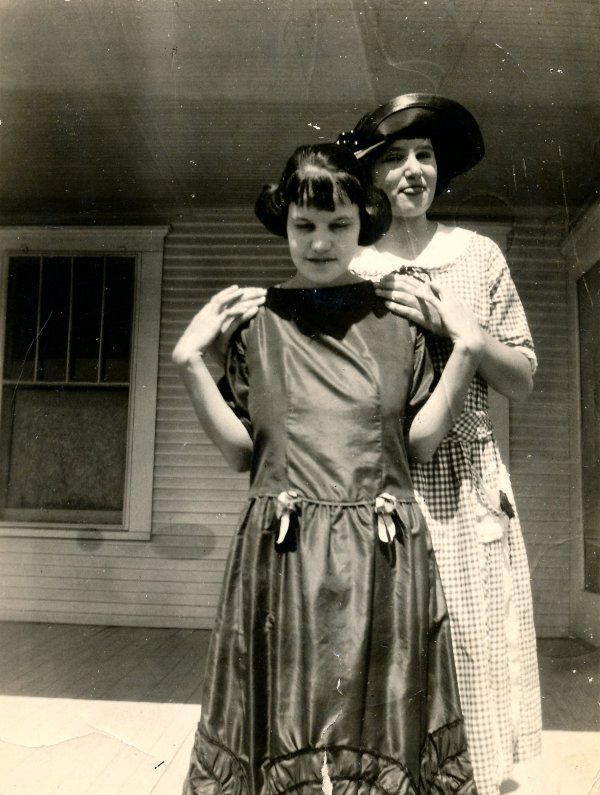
395,287
416,315
252,293
391,279
250,312
247,295
418,292
234,321
242,305
237,300
224,298
442,292
227,293
396,281
429,304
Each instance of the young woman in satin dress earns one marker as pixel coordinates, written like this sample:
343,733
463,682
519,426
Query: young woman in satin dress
331,667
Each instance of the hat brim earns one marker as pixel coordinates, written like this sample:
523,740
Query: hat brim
458,140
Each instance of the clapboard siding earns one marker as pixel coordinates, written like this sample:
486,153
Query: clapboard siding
539,427
192,484
175,578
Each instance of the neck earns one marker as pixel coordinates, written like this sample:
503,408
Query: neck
407,237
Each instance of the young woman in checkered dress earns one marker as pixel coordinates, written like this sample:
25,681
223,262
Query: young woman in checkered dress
415,145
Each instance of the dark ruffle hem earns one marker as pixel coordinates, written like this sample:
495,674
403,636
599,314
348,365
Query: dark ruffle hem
445,767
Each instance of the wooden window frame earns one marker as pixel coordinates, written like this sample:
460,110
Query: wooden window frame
580,249
146,245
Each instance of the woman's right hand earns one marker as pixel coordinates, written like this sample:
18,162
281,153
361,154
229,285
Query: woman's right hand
244,307
214,324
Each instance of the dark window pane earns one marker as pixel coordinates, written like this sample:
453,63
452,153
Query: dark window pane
63,449
54,319
87,317
118,313
592,565
588,292
21,317
63,446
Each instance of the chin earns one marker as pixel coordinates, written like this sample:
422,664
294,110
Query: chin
412,211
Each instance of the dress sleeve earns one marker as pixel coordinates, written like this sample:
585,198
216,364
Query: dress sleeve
423,381
507,320
234,385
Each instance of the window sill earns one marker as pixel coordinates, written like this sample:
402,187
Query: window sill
71,532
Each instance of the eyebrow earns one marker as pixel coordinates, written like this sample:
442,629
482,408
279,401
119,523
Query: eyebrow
403,143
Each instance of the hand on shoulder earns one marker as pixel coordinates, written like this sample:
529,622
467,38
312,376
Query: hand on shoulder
411,298
216,321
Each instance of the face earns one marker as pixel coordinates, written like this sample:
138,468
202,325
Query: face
407,173
322,243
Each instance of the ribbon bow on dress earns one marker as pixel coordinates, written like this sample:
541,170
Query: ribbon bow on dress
288,503
385,507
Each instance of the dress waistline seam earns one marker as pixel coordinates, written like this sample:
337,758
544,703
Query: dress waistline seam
340,503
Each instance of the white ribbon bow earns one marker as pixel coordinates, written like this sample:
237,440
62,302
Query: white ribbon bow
385,505
287,503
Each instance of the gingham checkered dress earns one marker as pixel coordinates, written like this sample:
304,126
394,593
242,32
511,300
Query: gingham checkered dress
479,550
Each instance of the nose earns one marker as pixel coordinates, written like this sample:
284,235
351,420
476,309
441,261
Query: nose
321,241
412,164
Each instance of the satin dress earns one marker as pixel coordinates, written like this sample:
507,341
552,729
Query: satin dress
331,667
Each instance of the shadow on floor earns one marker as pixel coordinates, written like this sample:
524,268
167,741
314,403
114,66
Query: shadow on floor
73,661
570,680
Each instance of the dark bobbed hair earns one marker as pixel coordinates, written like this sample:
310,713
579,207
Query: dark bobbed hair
315,176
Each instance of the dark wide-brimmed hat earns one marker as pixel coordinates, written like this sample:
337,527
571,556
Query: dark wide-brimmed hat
454,133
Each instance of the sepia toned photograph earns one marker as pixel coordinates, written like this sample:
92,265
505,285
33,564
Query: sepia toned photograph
300,397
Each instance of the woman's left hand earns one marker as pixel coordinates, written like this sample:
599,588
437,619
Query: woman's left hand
409,297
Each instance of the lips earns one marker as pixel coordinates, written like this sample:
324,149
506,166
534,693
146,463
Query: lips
412,190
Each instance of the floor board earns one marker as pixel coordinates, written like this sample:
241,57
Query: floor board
112,711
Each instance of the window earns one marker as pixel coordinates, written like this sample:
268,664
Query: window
81,319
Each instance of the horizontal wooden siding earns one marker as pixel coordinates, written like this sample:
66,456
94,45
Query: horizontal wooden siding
174,579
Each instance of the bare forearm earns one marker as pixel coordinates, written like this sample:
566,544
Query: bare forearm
444,406
216,418
505,369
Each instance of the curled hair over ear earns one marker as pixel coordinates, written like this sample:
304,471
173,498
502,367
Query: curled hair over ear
319,175
375,216
272,210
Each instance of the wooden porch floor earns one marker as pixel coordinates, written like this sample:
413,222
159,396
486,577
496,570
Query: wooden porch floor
88,710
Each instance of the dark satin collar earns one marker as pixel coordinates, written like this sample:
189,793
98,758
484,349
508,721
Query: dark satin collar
325,310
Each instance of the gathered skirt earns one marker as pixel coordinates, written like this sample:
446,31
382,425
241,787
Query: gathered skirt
331,666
